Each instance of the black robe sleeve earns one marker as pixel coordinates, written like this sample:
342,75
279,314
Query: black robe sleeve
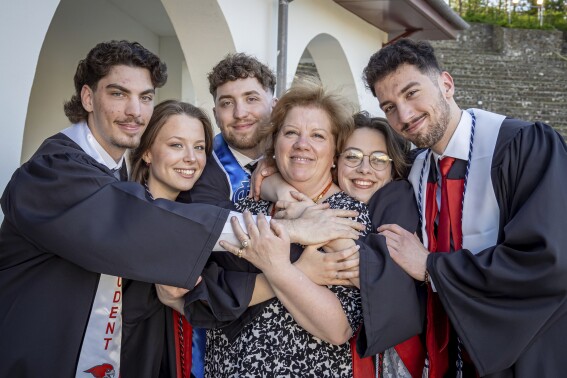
222,299
228,282
63,205
66,220
212,187
390,301
508,303
224,294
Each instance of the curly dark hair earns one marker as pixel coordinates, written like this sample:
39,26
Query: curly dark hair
398,147
240,66
98,63
391,57
162,112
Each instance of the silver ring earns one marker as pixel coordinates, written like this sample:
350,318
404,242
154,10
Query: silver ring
245,243
239,253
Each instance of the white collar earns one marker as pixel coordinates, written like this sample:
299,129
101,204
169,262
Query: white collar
458,146
82,135
242,159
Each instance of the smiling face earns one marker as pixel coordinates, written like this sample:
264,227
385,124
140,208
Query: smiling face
177,157
241,107
120,108
361,182
304,149
419,107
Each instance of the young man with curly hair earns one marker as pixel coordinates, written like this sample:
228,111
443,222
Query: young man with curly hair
243,90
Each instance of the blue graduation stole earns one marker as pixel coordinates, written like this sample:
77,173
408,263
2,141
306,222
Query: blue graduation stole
238,177
239,187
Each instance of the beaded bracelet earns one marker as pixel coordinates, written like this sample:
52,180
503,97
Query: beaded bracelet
426,279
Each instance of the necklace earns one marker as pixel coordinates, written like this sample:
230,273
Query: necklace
323,192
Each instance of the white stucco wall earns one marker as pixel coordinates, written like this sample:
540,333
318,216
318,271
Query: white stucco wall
68,40
205,38
357,38
23,25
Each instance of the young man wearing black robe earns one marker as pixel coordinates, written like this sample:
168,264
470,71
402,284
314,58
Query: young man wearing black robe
503,282
72,231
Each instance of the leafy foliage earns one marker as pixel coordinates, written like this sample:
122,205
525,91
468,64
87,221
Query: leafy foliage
523,15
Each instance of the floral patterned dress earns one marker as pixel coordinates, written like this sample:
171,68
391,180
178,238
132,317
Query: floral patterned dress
273,344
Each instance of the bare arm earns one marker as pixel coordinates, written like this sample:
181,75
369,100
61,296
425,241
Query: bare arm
269,251
323,268
275,188
172,296
263,170
306,229
330,267
262,290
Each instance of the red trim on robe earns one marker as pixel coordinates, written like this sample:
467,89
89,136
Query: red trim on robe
411,352
185,370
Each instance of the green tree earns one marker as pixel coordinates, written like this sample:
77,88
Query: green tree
523,15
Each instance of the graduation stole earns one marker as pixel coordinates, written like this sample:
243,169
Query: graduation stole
238,177
448,229
480,219
100,351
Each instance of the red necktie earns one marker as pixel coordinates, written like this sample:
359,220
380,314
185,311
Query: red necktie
449,228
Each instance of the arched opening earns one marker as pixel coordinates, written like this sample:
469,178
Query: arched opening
324,58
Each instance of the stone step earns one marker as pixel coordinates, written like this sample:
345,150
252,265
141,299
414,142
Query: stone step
513,69
502,85
477,60
543,65
515,98
526,80
553,57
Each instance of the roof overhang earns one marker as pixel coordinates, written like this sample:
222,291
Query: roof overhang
418,19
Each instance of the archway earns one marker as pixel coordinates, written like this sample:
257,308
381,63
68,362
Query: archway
324,57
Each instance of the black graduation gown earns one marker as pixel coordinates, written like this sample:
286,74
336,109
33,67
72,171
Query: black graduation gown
66,220
212,187
508,303
391,301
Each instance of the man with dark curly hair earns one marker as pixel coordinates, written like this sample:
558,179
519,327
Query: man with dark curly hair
491,200
74,236
243,90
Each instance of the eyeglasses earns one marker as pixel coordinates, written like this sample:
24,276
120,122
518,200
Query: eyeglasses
353,158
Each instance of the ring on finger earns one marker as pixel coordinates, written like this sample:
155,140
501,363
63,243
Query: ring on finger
245,243
239,253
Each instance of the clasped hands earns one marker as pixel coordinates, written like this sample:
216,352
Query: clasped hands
267,248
